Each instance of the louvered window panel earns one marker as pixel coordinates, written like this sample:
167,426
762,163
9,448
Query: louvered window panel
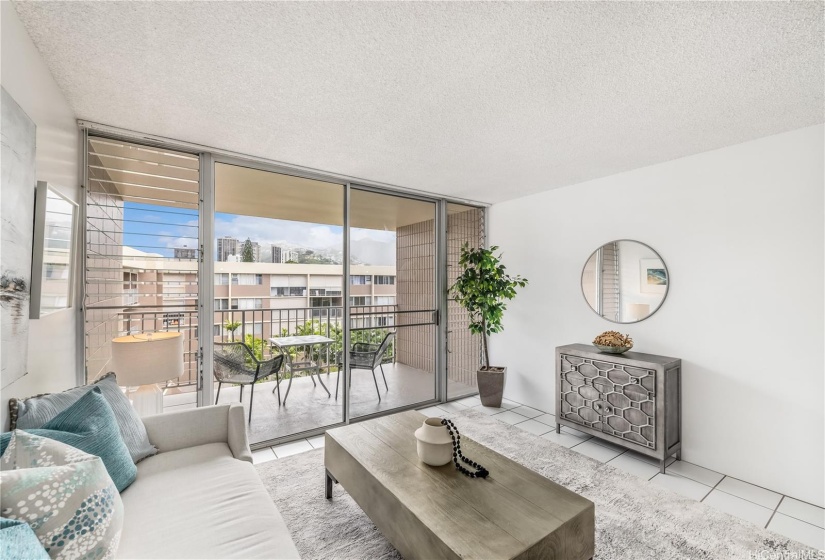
142,249
611,282
465,225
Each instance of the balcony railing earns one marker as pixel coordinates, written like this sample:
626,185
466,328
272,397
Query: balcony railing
256,326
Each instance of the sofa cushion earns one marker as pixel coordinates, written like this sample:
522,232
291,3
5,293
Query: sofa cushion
89,425
35,412
201,502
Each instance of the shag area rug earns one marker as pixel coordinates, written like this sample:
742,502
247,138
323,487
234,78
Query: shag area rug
635,519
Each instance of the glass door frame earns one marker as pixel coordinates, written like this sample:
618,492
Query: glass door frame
208,158
440,299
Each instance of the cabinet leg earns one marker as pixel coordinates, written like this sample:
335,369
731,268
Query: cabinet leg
662,465
558,428
679,455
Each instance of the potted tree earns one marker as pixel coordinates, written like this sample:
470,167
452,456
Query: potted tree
483,288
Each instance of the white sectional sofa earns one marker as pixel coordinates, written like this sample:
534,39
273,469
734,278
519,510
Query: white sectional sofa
200,496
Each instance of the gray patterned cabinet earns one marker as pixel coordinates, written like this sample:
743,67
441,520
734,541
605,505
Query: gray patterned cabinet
630,399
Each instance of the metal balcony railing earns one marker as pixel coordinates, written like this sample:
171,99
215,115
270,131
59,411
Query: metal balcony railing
256,326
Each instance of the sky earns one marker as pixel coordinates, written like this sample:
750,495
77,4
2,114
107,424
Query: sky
155,229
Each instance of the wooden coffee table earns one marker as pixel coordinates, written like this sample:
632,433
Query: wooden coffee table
436,512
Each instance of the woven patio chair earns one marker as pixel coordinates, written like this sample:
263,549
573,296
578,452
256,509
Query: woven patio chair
235,363
366,356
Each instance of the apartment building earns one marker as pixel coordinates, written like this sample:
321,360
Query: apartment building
263,299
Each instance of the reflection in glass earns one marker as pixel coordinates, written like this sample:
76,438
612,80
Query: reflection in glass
625,281
58,219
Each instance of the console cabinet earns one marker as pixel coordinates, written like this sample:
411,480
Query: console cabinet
630,399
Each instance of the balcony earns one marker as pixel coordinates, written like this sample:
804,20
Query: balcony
410,380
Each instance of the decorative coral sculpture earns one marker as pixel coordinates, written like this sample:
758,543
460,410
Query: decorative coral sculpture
613,342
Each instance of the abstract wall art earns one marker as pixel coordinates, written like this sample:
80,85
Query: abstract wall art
17,187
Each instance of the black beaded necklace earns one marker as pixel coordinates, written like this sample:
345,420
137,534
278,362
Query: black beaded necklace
481,472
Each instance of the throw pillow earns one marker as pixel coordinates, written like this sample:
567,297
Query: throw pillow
89,425
34,412
17,540
63,494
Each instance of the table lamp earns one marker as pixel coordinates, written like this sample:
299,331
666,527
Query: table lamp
638,311
143,360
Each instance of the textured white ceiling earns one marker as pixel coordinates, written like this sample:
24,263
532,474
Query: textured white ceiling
485,101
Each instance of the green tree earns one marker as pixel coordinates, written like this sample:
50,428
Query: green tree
483,288
247,254
231,326
256,345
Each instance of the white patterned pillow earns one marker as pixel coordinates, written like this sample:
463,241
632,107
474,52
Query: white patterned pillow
64,494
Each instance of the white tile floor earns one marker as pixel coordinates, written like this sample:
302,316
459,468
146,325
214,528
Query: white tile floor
794,519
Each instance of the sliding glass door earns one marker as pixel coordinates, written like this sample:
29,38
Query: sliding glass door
393,298
278,290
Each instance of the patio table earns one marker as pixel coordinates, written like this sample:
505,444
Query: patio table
283,343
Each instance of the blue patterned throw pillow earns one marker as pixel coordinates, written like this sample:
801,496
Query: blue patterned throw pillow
90,426
64,495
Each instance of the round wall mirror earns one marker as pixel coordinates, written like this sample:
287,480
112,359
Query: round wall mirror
625,281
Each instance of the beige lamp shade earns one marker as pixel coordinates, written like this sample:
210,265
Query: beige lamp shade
145,359
638,311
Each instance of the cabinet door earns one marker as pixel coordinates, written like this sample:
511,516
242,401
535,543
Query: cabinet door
629,410
578,395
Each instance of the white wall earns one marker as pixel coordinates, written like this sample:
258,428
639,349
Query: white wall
741,231
25,76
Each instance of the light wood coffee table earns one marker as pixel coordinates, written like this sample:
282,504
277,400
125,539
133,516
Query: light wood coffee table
436,512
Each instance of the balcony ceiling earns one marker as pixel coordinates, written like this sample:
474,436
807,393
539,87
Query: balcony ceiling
484,101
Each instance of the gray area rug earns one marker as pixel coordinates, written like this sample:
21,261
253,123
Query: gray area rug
634,518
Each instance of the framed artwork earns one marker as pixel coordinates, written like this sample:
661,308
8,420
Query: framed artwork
16,214
653,276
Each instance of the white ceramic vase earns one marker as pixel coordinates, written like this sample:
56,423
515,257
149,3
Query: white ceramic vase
435,447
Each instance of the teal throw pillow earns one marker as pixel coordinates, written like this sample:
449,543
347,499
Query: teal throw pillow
35,412
90,426
17,540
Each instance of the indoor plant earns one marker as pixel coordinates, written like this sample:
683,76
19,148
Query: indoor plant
483,288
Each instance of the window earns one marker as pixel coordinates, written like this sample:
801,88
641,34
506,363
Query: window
221,304
254,328
172,319
360,280
288,292
384,321
222,279
385,280
55,271
216,330
384,300
247,279
247,303
360,300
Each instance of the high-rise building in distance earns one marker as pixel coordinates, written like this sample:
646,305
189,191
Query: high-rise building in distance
229,246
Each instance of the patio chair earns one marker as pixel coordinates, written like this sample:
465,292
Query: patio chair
366,356
236,363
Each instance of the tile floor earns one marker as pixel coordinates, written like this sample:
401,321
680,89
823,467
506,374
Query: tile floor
785,515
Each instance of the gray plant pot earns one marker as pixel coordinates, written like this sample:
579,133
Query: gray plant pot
491,386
